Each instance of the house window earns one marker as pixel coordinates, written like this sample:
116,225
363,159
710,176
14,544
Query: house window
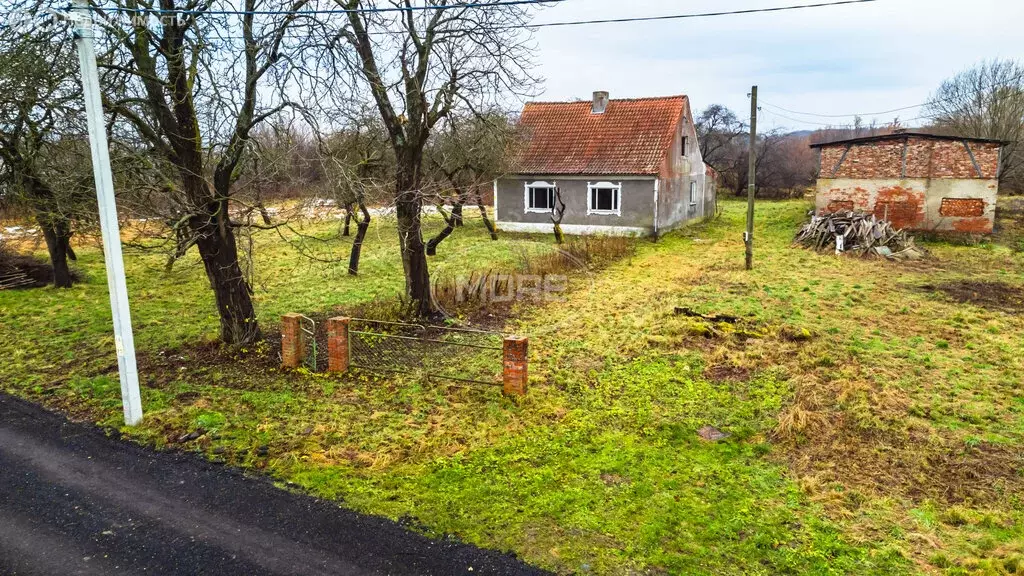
693,192
604,198
682,148
540,197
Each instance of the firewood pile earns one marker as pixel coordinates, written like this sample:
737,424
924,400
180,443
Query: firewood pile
858,233
21,271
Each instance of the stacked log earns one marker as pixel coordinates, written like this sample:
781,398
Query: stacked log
858,233
22,271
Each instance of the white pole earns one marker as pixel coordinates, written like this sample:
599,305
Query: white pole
124,342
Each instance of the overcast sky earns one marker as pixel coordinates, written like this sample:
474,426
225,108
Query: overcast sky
833,60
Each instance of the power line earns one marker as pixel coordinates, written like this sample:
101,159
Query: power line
697,15
500,27
1005,82
838,125
489,5
843,126
773,113
183,12
844,115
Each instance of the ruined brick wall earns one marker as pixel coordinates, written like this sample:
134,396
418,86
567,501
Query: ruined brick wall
916,183
873,160
932,204
901,202
926,158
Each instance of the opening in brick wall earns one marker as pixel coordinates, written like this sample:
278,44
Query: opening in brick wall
901,213
837,205
962,207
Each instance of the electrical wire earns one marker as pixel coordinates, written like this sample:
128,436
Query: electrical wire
698,14
491,5
1008,81
801,121
843,115
183,12
841,126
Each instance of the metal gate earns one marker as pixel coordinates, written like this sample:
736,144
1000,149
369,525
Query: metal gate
461,354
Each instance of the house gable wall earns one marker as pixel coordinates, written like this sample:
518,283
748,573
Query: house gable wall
677,171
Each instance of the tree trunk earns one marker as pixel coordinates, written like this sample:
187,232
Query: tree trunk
483,214
559,237
215,240
182,242
68,250
264,213
348,219
450,224
408,207
357,243
56,228
457,210
57,232
557,212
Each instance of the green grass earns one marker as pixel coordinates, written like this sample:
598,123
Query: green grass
874,425
171,310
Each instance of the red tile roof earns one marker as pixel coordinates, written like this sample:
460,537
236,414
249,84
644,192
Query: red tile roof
632,136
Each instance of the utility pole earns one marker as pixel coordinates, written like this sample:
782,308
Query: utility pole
124,341
748,236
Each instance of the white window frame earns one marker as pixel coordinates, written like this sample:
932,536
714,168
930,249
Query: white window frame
693,192
616,199
539,184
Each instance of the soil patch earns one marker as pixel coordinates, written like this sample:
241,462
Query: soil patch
991,295
915,465
232,367
727,373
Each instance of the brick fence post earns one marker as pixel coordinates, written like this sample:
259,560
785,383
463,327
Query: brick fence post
514,353
337,344
293,340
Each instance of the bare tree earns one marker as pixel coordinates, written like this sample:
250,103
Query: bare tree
468,152
43,154
282,164
419,64
357,166
190,86
719,133
557,212
784,163
986,101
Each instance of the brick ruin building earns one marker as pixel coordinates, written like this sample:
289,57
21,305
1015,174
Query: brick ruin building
915,180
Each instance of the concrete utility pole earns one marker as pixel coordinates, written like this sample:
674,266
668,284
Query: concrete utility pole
748,236
124,342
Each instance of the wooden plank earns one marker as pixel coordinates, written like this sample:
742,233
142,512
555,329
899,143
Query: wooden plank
835,169
973,160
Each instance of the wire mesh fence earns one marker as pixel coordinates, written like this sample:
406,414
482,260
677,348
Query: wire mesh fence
460,354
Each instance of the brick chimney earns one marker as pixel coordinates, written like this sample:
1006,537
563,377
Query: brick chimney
600,102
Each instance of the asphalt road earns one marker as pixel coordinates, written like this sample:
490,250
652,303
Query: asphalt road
74,501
